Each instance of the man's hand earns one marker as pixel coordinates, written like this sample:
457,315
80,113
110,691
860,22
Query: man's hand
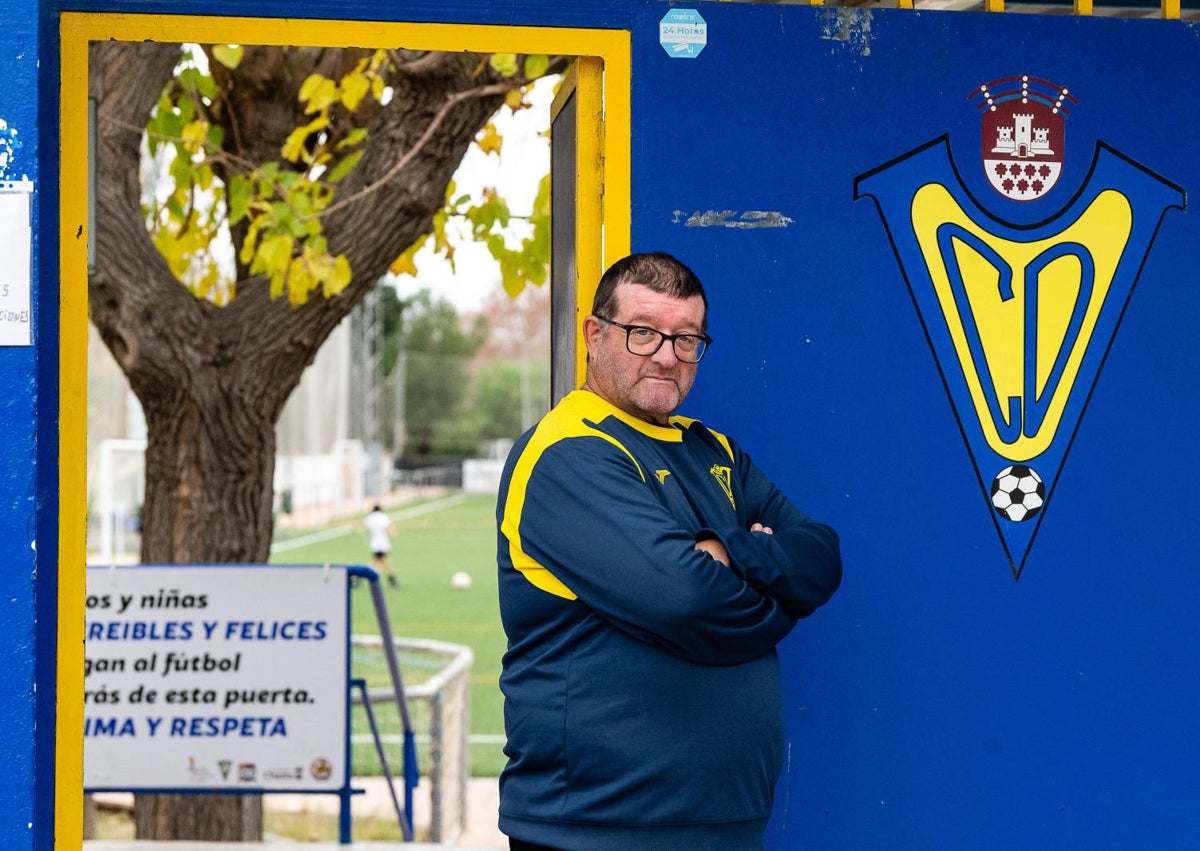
715,549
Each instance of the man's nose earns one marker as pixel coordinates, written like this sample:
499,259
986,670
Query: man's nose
666,354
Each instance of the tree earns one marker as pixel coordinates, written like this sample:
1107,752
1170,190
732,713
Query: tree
512,385
317,205
437,352
510,396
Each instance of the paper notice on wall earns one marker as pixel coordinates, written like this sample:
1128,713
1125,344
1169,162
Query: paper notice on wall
16,241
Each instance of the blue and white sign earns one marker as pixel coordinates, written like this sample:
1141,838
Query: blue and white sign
215,677
683,33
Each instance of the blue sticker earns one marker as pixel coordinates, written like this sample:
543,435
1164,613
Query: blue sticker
683,33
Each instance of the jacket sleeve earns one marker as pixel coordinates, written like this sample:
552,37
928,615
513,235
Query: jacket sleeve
589,518
799,566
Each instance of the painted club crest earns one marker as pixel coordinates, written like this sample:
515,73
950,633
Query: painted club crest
1020,318
1023,134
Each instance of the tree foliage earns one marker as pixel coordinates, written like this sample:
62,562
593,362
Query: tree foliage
278,204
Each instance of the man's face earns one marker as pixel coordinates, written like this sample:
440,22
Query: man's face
653,387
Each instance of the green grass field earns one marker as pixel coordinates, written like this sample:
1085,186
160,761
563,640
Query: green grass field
430,541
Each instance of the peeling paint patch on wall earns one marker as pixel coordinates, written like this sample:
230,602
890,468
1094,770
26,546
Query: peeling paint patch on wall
849,25
732,219
9,145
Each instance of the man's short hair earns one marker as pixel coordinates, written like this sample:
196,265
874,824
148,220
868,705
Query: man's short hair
655,270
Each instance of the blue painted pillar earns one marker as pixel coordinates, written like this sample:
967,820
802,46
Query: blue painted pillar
28,586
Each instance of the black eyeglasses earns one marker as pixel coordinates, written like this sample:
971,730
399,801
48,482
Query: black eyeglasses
643,341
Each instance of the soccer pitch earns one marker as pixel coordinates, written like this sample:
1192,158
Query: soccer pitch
431,540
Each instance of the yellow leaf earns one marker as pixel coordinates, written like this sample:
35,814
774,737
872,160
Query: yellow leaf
277,284
294,148
354,88
319,92
194,134
489,140
342,274
515,99
208,281
273,255
204,175
406,264
250,242
513,286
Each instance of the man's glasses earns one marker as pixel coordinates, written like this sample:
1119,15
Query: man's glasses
643,341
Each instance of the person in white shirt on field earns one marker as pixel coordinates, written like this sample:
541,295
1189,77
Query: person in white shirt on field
379,527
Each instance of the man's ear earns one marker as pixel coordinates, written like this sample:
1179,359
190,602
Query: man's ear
592,329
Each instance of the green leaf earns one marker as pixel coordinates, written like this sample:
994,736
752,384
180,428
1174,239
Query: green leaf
229,55
216,135
189,78
237,197
181,171
504,64
352,138
536,65
344,167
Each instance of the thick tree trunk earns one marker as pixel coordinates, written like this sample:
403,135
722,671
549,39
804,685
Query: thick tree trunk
214,460
212,381
217,818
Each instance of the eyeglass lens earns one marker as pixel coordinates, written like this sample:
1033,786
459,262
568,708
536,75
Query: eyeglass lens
647,341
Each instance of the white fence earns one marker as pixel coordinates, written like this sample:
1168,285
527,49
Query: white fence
441,709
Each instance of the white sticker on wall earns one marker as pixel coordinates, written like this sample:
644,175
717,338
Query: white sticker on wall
16,242
683,33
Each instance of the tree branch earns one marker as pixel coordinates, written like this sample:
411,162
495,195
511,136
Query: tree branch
458,97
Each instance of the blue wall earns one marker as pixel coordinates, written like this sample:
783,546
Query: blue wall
937,702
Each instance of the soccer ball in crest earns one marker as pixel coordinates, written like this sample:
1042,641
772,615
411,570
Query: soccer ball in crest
1018,493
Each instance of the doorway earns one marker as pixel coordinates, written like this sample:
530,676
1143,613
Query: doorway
600,234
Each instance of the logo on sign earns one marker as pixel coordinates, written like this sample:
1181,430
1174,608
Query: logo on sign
1020,318
321,768
683,33
1024,134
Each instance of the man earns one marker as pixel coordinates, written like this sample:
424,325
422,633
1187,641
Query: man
647,571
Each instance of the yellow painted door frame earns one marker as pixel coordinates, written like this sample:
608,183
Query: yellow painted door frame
603,235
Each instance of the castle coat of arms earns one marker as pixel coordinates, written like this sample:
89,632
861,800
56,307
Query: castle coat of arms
1024,134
